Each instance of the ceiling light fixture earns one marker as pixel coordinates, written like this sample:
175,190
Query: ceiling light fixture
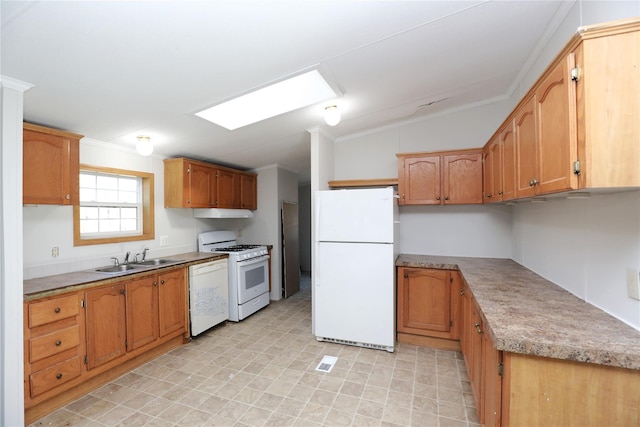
270,101
144,147
331,115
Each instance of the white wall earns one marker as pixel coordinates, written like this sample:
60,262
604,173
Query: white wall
304,217
11,295
470,230
585,246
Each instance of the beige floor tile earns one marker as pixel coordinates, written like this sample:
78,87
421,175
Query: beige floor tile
261,371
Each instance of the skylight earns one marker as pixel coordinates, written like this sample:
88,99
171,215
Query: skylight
282,97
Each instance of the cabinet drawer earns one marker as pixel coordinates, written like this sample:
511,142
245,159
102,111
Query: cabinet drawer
53,343
54,376
41,313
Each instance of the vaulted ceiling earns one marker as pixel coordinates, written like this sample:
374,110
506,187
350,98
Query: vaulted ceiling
114,70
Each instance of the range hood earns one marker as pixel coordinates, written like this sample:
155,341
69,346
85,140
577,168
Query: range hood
222,213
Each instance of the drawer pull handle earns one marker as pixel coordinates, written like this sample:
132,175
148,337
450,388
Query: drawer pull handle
59,376
58,343
57,310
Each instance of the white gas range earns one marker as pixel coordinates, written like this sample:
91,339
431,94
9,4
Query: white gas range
248,272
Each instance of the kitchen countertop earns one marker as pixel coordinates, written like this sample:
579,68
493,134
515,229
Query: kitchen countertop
527,314
77,280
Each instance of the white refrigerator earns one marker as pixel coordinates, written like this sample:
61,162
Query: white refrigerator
354,273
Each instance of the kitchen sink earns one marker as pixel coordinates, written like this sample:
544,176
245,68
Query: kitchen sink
156,262
116,268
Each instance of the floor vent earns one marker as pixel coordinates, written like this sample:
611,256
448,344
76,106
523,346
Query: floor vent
357,344
326,364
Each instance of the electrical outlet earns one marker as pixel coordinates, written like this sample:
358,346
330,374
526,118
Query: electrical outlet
633,283
163,240
55,251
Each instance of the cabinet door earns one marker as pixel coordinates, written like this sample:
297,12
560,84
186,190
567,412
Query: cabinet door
50,169
491,383
475,366
466,326
171,301
248,191
105,325
496,170
556,120
228,189
420,181
462,178
142,312
200,188
487,178
424,301
526,149
508,142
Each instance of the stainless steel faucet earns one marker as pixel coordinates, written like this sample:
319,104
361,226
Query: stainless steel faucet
144,253
126,258
115,261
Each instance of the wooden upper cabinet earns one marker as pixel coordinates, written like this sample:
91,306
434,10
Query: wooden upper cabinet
462,178
556,120
202,186
526,149
451,177
51,170
492,170
248,191
194,184
608,85
228,189
419,182
508,169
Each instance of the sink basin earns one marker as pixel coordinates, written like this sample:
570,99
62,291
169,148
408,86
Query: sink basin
116,268
156,262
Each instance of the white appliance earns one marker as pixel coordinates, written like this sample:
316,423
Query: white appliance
354,274
248,272
208,295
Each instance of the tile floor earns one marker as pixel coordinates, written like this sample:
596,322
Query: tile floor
261,372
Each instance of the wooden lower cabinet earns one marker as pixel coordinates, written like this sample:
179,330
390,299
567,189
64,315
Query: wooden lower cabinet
106,324
518,390
428,307
539,391
78,341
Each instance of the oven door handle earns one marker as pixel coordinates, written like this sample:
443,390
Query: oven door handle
253,261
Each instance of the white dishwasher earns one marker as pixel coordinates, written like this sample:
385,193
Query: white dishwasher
208,295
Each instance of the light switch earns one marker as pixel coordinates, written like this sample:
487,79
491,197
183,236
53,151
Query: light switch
633,283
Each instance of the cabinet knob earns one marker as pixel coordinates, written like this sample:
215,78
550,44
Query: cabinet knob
122,291
437,197
58,343
57,310
155,283
533,182
446,198
479,331
476,324
489,196
59,376
162,282
461,291
68,196
499,193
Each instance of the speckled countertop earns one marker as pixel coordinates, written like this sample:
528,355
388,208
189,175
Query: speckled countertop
61,283
525,313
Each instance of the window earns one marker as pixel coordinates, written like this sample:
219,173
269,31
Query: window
115,206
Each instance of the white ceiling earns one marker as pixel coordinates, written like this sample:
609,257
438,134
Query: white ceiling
114,70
